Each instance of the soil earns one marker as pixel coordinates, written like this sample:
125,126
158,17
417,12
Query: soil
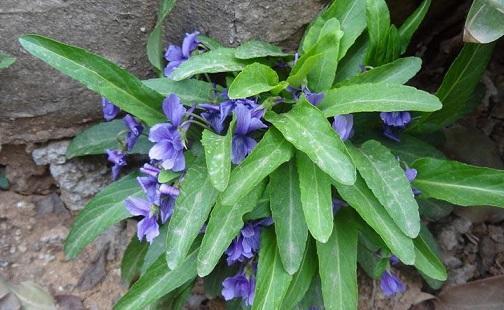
34,225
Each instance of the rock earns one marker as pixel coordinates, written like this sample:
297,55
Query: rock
79,179
69,302
51,203
94,274
461,275
26,205
448,239
56,234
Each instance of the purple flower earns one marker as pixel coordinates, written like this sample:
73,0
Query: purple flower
343,125
135,129
110,110
247,121
118,158
411,174
239,286
150,170
176,55
337,205
394,260
216,115
391,285
169,147
313,98
396,119
246,244
159,203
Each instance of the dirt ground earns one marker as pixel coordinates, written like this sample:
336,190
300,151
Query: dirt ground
34,225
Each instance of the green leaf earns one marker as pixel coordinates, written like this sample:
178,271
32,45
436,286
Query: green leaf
104,210
156,249
272,151
411,148
399,71
484,21
6,60
459,183
315,188
386,179
100,137
377,97
338,263
158,281
253,80
214,61
213,281
433,209
166,176
312,298
262,209
351,64
223,226
272,280
99,75
258,49
369,208
210,43
374,265
378,23
132,260
426,259
193,205
287,212
190,91
302,279
393,50
218,156
352,17
154,46
458,84
412,23
310,132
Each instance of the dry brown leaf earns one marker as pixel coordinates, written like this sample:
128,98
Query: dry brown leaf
485,294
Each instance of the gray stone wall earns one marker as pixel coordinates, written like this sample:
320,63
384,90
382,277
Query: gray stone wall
38,104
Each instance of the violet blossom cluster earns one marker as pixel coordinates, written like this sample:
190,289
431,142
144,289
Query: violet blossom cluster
389,283
176,55
242,251
394,122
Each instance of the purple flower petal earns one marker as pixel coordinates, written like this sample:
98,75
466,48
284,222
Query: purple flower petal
137,206
174,53
149,228
343,125
411,174
173,109
150,187
189,44
166,208
168,70
160,132
135,129
150,170
242,119
110,110
241,147
169,190
391,285
396,119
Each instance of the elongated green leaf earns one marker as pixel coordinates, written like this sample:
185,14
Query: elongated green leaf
272,280
132,260
97,138
433,209
412,23
287,212
190,91
373,264
459,183
484,21
315,188
218,157
338,264
458,84
399,71
224,225
426,260
156,249
377,97
214,61
369,208
272,151
209,42
352,17
158,281
393,50
197,196
104,210
154,46
302,279
352,63
258,49
6,60
313,298
309,131
99,75
386,179
411,148
166,176
262,209
253,80
378,23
